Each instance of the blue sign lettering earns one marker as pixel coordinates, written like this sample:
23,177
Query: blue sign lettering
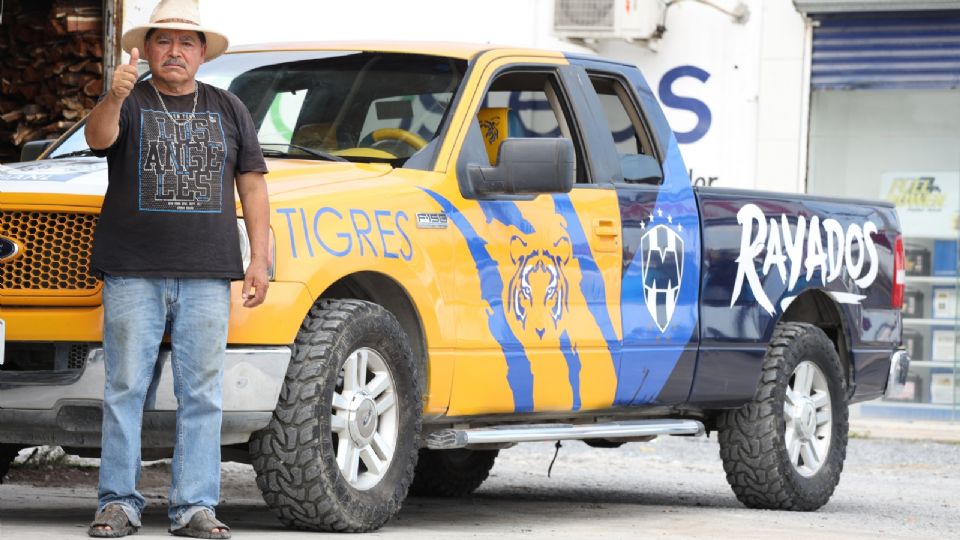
286,212
316,232
350,232
384,233
409,254
306,235
697,107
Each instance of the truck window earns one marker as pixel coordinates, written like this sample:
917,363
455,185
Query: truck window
637,156
419,115
526,104
281,117
361,106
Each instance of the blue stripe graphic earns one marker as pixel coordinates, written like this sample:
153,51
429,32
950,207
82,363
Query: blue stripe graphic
650,357
507,214
519,374
592,287
573,367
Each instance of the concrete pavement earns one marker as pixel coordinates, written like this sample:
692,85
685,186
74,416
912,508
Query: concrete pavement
914,430
673,487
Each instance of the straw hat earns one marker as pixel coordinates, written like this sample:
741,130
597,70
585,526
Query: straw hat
176,15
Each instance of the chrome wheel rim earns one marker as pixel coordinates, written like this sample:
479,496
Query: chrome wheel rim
808,416
364,419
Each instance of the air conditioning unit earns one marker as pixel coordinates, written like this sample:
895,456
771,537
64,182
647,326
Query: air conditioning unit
607,19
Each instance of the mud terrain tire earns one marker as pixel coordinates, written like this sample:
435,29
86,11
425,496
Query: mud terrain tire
451,473
318,416
755,439
8,452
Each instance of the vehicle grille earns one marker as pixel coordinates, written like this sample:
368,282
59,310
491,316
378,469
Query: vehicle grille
34,357
77,356
56,251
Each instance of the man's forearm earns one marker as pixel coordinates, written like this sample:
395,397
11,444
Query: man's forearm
256,214
103,123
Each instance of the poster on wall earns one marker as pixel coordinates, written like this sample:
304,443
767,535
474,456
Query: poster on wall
928,203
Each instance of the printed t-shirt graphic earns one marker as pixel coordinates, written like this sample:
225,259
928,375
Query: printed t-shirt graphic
181,163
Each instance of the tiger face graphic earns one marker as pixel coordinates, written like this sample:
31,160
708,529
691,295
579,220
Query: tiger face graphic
537,291
491,129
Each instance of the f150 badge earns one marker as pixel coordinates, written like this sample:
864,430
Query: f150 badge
431,221
851,249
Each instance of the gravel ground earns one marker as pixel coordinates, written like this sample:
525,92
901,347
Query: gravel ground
894,488
672,487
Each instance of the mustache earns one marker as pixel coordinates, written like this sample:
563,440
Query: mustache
175,62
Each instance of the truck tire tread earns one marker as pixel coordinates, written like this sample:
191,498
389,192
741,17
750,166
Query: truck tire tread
294,474
751,438
451,473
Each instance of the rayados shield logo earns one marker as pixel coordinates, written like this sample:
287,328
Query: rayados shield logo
661,249
8,249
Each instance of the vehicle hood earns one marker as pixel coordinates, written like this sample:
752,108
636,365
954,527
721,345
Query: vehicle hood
293,174
76,176
88,175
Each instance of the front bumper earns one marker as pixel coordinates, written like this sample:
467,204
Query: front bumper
899,368
69,414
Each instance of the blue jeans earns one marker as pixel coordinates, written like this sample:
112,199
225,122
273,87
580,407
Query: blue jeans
136,313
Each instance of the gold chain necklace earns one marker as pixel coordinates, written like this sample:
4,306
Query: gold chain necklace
196,92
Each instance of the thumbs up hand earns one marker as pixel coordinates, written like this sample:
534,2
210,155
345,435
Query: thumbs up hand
124,77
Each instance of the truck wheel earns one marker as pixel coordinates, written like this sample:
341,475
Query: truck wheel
451,473
785,449
340,451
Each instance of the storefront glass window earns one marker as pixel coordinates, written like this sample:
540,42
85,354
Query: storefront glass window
903,145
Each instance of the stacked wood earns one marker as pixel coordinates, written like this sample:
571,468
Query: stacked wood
51,69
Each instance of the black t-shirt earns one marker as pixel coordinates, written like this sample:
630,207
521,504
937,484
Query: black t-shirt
170,209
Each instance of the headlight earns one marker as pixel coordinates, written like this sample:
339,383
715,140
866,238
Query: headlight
245,249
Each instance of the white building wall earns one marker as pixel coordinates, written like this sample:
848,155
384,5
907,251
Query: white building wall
510,22
783,97
734,92
705,72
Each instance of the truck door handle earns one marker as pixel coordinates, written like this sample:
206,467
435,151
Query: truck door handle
605,227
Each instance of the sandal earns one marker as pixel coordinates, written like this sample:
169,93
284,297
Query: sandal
202,525
111,522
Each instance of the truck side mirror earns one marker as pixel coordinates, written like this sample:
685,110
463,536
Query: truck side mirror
527,167
32,150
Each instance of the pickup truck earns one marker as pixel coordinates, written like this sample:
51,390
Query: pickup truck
473,246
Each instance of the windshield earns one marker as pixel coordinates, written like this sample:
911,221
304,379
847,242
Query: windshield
358,106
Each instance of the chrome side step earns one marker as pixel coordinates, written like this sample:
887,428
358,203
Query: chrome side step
448,439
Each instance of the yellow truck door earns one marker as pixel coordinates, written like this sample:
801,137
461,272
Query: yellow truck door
537,277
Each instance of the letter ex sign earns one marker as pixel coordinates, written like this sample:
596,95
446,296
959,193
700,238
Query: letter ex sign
671,99
684,91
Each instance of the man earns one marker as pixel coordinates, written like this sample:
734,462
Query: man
167,247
